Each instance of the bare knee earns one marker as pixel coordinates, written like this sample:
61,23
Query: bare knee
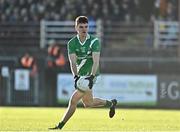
87,104
73,102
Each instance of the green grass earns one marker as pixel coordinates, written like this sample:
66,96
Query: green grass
39,119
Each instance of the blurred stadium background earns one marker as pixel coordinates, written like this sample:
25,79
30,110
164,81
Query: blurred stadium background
140,51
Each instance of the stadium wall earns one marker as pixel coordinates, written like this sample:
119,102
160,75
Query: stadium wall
53,88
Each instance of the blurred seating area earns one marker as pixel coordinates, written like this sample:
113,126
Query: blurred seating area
132,42
113,10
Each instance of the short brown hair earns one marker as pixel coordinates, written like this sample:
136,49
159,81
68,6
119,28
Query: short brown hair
81,19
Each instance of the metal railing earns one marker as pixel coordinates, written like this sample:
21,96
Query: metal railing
113,34
62,31
166,33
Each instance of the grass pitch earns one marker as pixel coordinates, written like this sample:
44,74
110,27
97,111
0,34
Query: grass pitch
40,119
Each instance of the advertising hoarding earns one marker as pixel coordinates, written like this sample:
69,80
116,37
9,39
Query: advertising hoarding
127,89
169,91
22,79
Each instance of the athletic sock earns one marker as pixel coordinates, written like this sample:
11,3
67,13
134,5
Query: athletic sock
61,124
108,103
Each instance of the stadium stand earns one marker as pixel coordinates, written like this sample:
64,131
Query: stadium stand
19,34
36,10
116,10
125,25
23,17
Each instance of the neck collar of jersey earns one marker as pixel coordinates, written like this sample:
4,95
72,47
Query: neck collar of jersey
87,37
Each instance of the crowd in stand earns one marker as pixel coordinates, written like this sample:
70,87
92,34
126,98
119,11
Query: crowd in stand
116,10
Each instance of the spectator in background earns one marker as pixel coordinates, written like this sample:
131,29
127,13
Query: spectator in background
55,55
115,12
165,9
172,11
29,62
120,10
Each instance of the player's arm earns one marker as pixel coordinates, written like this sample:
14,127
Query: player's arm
72,60
95,57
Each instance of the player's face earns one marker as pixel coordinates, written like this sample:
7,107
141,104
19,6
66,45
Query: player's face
82,29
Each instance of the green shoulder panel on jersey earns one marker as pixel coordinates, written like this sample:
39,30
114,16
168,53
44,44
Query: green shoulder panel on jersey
95,44
71,45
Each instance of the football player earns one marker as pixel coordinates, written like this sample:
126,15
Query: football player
84,54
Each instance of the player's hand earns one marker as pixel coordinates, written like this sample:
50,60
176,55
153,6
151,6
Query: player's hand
90,78
76,77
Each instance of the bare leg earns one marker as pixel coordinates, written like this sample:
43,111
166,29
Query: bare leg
76,96
89,101
98,102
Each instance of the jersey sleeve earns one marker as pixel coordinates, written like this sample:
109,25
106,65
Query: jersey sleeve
71,47
96,46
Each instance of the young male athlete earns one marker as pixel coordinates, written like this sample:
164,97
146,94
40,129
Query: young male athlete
84,54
